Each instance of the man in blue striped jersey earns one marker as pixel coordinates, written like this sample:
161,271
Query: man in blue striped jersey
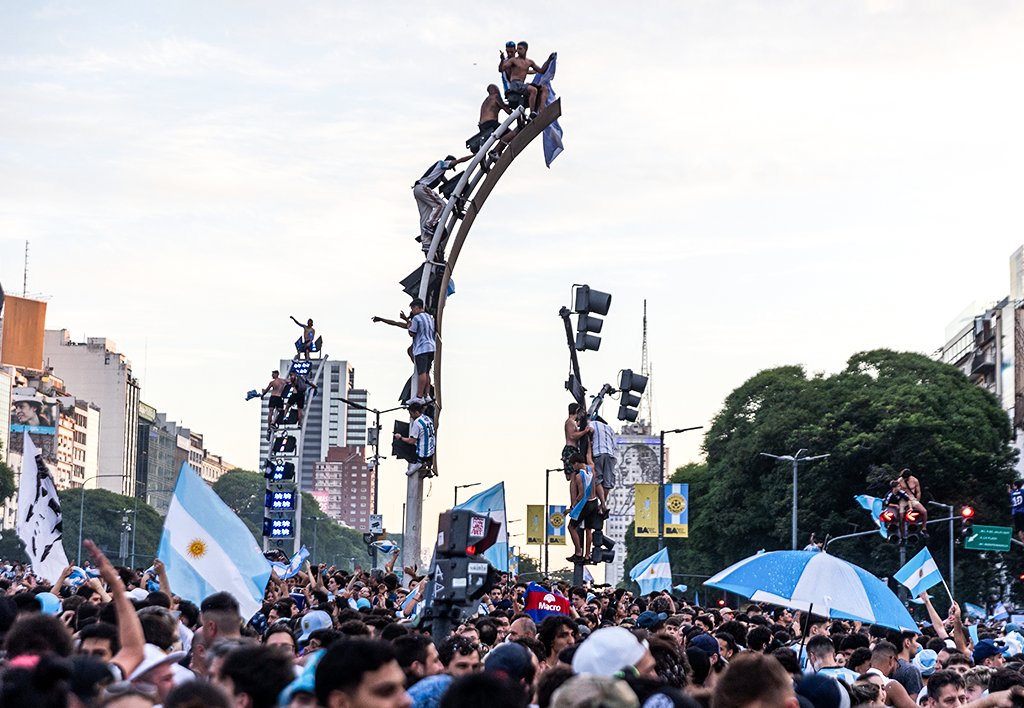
423,438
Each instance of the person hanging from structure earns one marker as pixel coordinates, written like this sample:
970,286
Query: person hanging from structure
490,110
423,438
420,326
306,343
276,388
602,447
517,66
573,433
585,511
300,386
428,201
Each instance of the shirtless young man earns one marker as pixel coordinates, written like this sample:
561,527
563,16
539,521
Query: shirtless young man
308,335
517,66
276,388
572,437
490,109
910,484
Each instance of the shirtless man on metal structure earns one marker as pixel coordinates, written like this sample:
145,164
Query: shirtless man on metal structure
517,66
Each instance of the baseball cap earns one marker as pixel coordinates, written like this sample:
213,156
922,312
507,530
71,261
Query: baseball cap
706,643
312,621
823,692
647,619
153,656
427,693
510,659
50,603
363,604
986,648
607,651
925,661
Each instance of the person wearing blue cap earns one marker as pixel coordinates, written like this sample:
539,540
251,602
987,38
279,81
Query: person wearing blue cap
989,652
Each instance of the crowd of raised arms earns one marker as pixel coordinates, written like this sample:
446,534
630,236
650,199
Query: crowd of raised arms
114,636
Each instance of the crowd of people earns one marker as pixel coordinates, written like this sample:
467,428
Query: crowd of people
113,636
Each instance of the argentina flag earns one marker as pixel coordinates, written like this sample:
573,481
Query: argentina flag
873,505
207,548
292,568
492,502
920,573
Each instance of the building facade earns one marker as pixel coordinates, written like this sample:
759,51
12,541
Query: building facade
343,483
637,461
330,422
98,373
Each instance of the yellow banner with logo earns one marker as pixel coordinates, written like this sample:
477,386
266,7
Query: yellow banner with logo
535,524
646,516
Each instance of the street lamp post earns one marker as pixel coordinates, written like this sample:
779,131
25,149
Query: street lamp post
796,459
547,495
661,480
376,456
81,508
952,545
462,486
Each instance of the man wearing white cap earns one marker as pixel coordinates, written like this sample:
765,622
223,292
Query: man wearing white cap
611,651
155,674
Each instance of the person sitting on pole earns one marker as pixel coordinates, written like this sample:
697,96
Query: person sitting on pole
585,511
490,110
517,66
305,345
429,202
276,388
423,437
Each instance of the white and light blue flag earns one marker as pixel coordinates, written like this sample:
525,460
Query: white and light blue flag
292,567
492,502
975,611
653,574
207,548
999,612
920,573
552,137
873,505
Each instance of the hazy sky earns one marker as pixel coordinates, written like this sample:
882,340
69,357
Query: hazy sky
785,182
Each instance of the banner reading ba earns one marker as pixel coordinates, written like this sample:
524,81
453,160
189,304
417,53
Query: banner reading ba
646,514
534,524
677,511
556,525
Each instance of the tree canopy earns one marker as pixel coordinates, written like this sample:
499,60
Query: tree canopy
243,491
883,412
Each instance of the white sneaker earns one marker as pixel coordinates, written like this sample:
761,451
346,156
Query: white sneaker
413,469
414,399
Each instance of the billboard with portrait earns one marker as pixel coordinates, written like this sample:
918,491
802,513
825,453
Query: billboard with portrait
35,414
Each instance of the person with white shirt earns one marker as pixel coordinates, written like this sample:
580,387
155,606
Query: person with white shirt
421,329
423,437
429,202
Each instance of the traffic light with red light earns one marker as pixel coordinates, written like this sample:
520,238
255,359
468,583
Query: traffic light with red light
890,519
966,522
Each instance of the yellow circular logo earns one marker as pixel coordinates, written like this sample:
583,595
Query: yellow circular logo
675,503
197,548
557,520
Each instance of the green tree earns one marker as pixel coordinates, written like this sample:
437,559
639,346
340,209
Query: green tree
6,478
244,492
884,411
105,513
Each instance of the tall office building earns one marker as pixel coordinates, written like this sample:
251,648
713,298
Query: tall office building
343,484
329,421
98,373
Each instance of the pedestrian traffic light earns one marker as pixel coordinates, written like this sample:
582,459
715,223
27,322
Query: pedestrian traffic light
461,573
587,304
603,549
276,471
966,521
284,445
278,528
463,533
632,386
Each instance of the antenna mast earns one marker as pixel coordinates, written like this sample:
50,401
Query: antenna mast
644,420
24,274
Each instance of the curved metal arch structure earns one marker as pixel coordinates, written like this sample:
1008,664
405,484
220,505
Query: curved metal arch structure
431,282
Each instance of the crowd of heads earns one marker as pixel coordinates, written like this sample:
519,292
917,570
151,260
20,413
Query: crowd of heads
346,639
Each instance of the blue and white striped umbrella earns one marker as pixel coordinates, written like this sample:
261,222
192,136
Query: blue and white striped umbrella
824,584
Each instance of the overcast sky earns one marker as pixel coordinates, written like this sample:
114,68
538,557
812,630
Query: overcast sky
785,182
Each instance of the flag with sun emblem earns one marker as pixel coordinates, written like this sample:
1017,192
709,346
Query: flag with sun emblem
207,548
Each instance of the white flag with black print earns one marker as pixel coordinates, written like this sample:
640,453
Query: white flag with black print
40,523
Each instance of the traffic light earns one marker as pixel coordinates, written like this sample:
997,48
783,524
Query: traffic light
632,386
278,528
587,304
912,529
284,445
890,519
276,471
603,549
966,522
280,501
461,573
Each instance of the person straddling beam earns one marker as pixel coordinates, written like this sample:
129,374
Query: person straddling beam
490,110
517,66
584,511
429,202
423,438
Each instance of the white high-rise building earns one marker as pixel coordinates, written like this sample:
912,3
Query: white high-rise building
98,373
330,422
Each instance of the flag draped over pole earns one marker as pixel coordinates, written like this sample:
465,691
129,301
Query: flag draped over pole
492,503
873,505
920,573
207,548
653,574
40,524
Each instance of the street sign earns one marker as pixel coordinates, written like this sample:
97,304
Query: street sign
376,524
989,538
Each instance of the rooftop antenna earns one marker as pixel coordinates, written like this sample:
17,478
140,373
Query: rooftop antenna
24,274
